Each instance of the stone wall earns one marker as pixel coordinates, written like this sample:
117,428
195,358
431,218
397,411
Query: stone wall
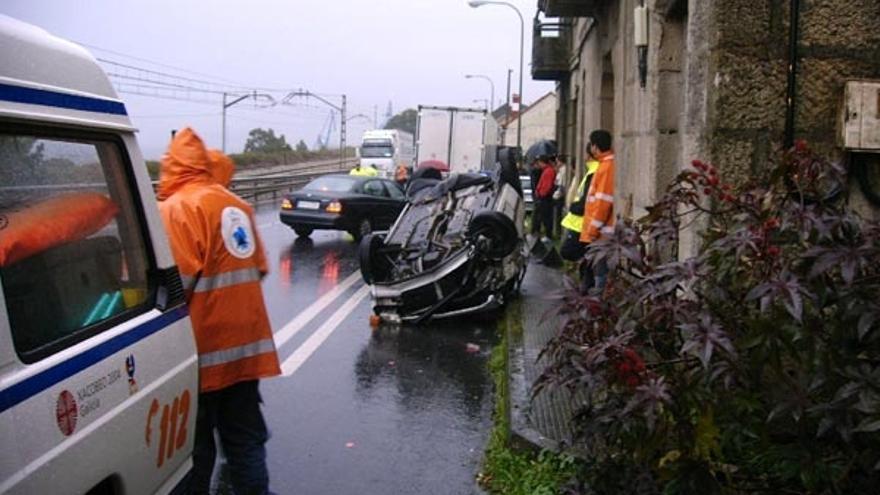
716,86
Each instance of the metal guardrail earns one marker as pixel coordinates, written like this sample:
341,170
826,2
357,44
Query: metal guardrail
252,187
249,188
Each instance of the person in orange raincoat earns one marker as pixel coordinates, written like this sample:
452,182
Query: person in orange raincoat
221,262
401,175
599,210
222,167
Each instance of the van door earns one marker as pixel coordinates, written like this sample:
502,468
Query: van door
98,372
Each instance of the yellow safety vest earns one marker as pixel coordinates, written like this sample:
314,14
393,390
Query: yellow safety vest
571,221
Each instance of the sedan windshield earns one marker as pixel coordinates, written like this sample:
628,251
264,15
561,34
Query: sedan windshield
331,184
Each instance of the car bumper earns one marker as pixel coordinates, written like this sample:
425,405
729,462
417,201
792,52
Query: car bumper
439,294
315,220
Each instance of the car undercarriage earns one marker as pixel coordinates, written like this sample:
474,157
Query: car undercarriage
457,248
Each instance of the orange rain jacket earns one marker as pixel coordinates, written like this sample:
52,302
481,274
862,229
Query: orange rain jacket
222,167
221,261
599,211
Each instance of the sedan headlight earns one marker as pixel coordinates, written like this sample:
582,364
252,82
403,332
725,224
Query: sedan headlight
286,204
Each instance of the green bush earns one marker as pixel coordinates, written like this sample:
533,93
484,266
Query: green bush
751,367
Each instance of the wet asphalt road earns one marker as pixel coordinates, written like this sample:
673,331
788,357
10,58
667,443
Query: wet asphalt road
360,411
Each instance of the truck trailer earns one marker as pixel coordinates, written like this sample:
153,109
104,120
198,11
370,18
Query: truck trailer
456,140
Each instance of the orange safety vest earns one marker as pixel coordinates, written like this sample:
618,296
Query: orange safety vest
599,209
221,261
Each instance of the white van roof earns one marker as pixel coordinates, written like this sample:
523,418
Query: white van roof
48,78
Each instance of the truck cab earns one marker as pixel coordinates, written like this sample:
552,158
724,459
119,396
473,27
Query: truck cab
386,149
98,365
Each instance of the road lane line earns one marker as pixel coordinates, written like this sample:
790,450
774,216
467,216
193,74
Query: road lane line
302,319
303,352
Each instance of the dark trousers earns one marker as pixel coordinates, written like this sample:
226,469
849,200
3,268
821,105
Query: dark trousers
543,216
234,412
572,249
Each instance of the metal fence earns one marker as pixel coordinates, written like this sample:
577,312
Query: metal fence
254,189
268,187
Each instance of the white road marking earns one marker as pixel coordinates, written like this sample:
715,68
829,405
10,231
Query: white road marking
303,352
302,319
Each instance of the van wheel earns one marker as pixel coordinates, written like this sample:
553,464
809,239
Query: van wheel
363,228
494,233
303,231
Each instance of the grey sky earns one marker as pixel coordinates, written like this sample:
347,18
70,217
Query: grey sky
409,52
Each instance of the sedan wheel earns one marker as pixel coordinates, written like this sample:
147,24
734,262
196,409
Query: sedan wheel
303,231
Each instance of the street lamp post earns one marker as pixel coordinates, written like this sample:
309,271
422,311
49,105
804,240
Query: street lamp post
491,87
522,35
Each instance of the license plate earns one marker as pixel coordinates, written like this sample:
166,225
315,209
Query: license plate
308,205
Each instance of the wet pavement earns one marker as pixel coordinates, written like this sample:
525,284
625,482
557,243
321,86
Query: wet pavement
364,411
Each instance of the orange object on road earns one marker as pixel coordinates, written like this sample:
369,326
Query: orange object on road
221,261
55,221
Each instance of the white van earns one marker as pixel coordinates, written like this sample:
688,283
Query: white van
98,366
386,149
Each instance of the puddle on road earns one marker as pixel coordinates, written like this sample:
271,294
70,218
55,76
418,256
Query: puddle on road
305,262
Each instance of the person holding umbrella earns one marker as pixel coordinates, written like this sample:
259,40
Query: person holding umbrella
543,215
542,156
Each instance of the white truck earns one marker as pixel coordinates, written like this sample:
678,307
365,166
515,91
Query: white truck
98,365
462,139
386,149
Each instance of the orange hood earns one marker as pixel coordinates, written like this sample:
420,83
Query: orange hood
222,167
186,162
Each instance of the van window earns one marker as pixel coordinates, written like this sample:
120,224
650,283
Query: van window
73,258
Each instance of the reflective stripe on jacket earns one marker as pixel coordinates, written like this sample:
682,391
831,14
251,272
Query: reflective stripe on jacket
214,241
572,221
599,207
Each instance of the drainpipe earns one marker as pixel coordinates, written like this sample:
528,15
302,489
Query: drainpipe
791,91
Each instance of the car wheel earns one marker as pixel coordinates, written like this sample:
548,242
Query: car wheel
374,266
303,231
364,227
494,233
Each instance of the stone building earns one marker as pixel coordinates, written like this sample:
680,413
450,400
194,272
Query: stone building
714,82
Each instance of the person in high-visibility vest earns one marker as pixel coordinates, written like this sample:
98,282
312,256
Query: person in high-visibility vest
572,249
213,237
358,170
599,209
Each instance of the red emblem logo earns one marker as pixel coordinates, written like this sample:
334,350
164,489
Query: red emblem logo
66,413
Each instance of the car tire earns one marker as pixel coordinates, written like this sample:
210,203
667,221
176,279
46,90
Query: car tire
364,227
494,233
374,266
303,231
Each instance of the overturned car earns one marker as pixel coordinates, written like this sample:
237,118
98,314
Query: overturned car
456,248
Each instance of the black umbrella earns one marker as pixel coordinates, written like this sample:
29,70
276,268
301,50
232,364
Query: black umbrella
544,147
